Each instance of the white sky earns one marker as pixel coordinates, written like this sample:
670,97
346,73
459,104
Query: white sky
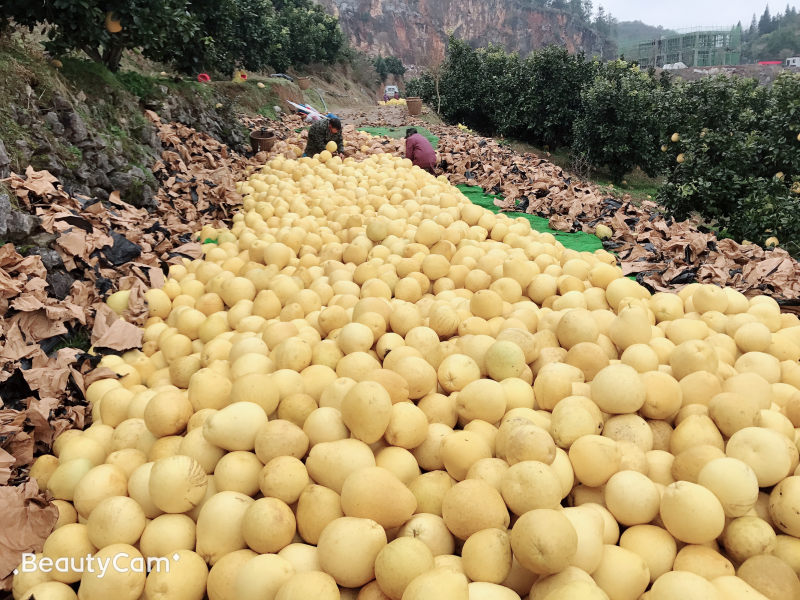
679,14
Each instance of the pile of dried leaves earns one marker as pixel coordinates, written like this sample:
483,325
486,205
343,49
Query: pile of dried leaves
663,254
196,173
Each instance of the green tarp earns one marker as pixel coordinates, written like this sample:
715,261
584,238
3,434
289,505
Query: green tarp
399,133
582,242
579,241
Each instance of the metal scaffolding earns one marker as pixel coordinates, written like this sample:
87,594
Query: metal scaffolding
695,47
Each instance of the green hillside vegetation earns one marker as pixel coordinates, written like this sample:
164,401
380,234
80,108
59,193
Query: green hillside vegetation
634,31
772,37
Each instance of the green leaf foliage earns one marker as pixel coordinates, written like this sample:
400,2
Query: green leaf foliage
395,66
381,67
216,36
423,87
535,99
313,35
741,155
230,34
772,37
618,125
152,25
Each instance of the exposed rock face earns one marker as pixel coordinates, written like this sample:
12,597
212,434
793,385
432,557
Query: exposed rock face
70,137
5,162
15,225
417,30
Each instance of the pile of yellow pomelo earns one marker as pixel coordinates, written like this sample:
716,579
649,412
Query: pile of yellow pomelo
393,102
370,388
359,144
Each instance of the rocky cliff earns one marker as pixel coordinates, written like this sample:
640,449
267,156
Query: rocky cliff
417,30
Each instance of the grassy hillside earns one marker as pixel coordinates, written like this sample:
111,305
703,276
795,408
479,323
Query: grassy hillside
633,31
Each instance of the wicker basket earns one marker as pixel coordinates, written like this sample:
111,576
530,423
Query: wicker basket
262,140
304,82
414,105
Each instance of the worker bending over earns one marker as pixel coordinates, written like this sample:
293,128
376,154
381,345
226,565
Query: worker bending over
323,131
419,150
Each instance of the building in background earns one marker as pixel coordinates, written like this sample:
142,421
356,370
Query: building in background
695,47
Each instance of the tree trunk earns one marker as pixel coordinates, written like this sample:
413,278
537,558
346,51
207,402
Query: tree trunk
112,57
439,107
93,53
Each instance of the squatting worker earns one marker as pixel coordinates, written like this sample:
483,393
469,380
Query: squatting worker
327,129
419,150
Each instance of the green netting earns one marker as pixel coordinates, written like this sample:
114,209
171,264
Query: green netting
400,133
579,241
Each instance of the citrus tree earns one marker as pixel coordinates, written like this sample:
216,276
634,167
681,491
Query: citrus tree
727,147
501,80
254,34
395,66
544,96
230,35
313,35
423,87
381,68
202,35
461,86
535,99
617,127
152,25
736,157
